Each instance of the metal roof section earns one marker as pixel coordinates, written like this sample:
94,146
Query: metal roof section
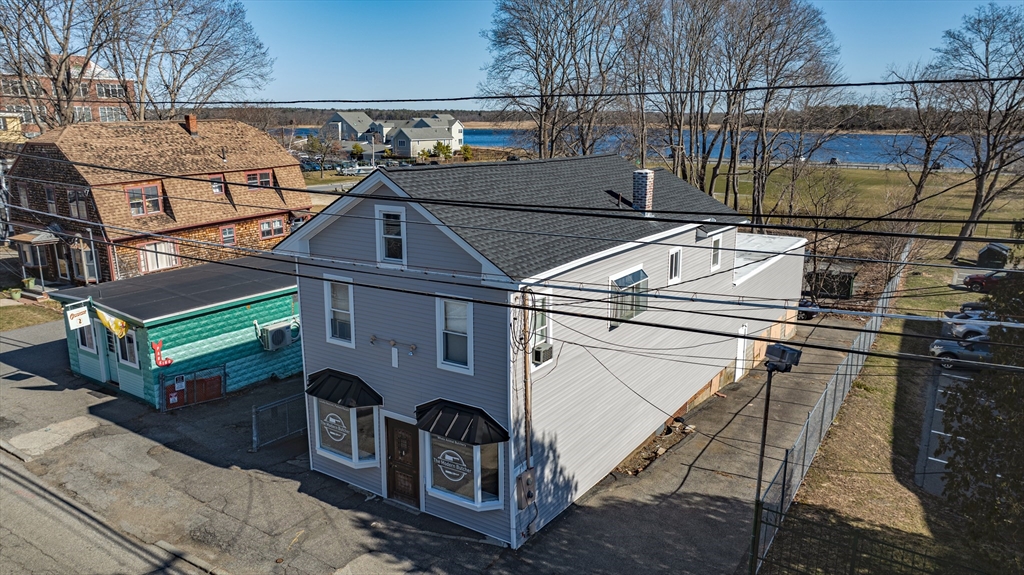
755,252
344,389
459,422
171,293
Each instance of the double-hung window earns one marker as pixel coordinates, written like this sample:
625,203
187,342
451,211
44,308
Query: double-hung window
629,297
113,114
256,180
28,256
126,349
110,91
347,434
540,331
158,256
716,253
338,303
85,338
23,194
82,114
227,235
77,201
675,265
455,335
51,200
217,184
271,228
391,235
144,199
465,474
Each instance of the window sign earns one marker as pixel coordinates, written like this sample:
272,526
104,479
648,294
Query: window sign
453,466
343,431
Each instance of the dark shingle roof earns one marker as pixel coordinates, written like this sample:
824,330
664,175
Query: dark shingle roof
591,182
177,291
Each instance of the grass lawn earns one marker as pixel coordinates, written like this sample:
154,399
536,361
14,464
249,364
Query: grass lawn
330,177
17,316
863,476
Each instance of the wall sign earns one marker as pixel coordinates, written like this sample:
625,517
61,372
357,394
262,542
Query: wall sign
335,427
452,465
158,356
78,317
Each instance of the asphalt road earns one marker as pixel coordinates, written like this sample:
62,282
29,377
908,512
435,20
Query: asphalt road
41,532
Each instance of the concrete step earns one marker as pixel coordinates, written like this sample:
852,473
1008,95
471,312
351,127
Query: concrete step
35,295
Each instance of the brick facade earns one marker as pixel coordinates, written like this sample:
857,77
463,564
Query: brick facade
91,99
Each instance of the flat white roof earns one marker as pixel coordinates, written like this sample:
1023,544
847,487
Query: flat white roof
754,252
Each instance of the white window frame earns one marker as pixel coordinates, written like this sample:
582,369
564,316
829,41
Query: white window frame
716,252
78,204
613,321
379,212
151,249
537,298
51,199
91,338
23,194
354,437
328,310
477,504
439,336
678,276
135,346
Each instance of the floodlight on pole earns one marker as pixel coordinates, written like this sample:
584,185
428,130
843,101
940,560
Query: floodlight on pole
780,358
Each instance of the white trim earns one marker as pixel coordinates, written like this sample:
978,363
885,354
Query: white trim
439,335
478,504
354,463
150,321
608,252
674,279
612,288
297,243
768,262
716,252
379,211
92,323
329,280
135,343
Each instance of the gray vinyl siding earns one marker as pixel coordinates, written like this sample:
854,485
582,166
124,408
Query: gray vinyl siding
408,319
585,420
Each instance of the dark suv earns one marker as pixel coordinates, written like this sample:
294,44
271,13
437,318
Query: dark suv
949,352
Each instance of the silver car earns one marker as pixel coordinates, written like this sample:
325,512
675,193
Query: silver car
950,353
968,325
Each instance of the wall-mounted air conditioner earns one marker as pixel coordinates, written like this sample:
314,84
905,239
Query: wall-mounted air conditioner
276,335
541,353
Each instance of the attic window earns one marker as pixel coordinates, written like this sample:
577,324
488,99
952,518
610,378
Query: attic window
257,180
629,300
217,184
144,199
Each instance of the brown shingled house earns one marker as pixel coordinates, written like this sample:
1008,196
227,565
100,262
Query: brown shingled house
234,197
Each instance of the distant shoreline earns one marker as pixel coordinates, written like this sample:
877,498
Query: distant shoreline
526,125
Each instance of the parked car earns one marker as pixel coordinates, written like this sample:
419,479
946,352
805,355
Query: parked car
970,326
807,309
357,170
951,352
983,283
973,306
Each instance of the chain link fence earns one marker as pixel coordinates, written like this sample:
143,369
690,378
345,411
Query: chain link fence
278,420
783,487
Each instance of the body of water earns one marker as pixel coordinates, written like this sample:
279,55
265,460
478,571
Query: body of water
846,148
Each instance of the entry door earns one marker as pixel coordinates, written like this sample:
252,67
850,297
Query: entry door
62,262
111,353
741,353
403,462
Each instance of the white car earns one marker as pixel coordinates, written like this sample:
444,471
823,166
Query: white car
967,325
357,170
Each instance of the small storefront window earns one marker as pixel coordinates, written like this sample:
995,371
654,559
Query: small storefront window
335,437
463,472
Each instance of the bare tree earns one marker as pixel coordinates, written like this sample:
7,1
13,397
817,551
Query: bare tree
928,143
989,44
638,62
187,53
823,195
49,46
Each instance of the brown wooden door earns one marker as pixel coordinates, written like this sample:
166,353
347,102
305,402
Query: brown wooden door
403,462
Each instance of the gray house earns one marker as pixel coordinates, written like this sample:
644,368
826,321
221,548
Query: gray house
408,142
443,370
347,125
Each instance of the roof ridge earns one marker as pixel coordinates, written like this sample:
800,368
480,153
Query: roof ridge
506,162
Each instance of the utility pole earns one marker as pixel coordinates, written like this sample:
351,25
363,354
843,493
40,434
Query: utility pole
5,200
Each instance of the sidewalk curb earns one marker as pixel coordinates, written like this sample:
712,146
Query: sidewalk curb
14,451
190,558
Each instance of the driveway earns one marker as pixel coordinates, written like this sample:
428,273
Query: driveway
187,477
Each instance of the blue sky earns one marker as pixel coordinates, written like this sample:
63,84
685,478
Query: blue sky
357,49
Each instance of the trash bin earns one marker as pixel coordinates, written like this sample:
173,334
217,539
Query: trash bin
993,256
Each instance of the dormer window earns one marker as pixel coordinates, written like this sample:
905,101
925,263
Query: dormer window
217,184
144,199
256,180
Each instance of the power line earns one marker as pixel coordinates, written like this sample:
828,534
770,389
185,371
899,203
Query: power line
527,96
632,321
556,210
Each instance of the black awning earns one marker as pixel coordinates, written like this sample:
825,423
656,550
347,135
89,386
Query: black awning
344,389
459,422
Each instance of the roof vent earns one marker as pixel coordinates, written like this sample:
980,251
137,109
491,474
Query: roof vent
643,191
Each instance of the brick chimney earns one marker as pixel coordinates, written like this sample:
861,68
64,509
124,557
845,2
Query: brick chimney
191,125
643,191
